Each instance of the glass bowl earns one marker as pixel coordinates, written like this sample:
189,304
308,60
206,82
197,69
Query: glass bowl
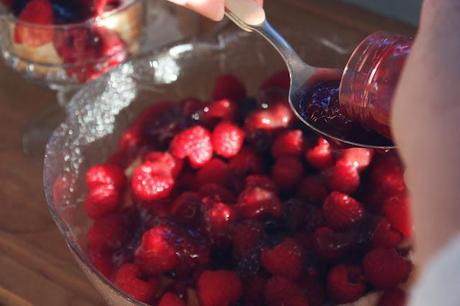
102,110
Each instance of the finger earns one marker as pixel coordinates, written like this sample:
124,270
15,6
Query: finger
213,9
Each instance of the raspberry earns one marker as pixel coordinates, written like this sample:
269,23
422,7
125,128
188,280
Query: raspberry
186,208
223,109
149,182
246,236
215,171
281,291
101,201
344,178
360,158
259,198
279,79
346,283
246,162
109,232
228,87
194,143
170,299
312,188
105,174
287,172
342,211
385,268
216,193
227,139
387,175
290,142
157,252
284,259
28,31
397,212
320,156
129,279
165,163
385,236
328,245
393,297
219,218
101,260
277,116
219,288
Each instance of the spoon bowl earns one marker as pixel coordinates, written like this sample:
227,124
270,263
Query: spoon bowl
249,16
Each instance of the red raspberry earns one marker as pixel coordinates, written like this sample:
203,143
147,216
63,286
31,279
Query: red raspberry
101,201
387,174
287,172
385,268
290,142
186,208
215,171
346,283
129,279
28,31
321,155
385,236
157,252
397,212
259,198
281,291
342,211
228,87
109,232
227,139
194,143
344,178
101,260
246,162
219,288
279,79
393,297
105,174
216,193
149,183
360,158
246,236
223,109
278,115
312,188
170,299
328,245
284,259
165,163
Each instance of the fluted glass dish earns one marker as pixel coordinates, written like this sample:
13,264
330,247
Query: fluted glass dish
103,109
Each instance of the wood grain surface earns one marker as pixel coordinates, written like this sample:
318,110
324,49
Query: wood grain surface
35,265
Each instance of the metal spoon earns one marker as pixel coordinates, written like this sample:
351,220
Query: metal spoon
249,16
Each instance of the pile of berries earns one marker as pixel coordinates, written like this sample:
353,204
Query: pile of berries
233,202
87,49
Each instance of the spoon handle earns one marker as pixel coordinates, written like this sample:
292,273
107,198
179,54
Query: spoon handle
249,16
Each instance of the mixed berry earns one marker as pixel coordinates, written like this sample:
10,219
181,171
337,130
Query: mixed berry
233,202
87,50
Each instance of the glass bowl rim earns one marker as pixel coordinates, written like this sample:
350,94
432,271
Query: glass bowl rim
69,26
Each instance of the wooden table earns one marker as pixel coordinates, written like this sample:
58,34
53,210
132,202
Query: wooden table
35,266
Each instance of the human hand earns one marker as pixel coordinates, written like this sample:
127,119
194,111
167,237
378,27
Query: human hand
426,126
213,9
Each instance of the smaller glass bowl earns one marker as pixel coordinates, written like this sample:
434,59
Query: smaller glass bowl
71,54
102,110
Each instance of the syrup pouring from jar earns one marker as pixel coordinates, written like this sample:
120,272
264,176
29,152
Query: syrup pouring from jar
249,16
